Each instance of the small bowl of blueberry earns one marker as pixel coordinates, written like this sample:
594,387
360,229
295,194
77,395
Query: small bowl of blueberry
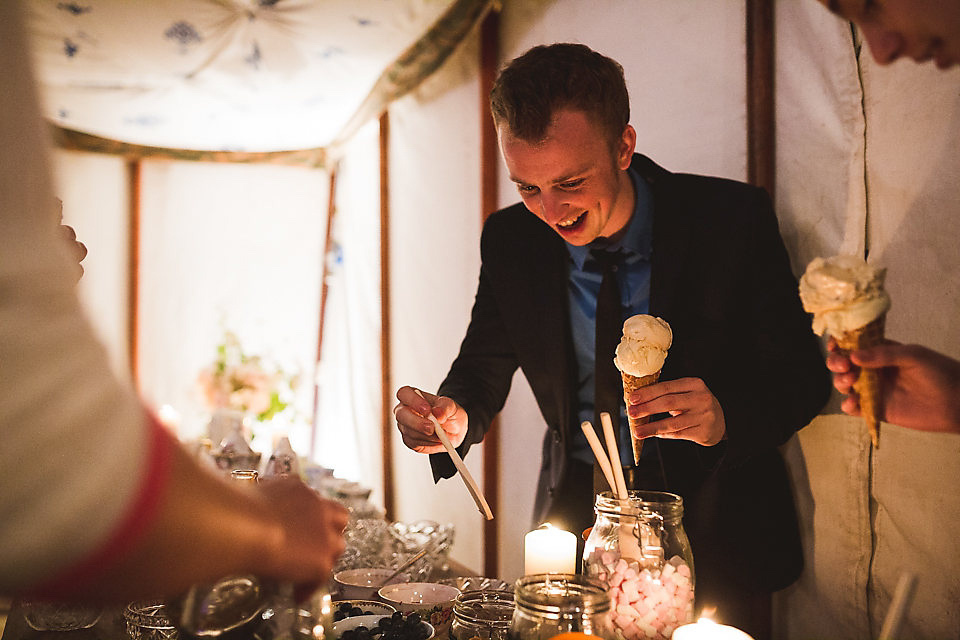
396,626
352,608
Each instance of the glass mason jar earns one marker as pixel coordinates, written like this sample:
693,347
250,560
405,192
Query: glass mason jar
639,551
482,614
548,604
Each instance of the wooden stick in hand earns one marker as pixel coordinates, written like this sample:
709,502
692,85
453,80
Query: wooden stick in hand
459,464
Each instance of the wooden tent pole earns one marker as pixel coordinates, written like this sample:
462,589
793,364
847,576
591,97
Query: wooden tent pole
134,186
489,161
387,428
331,212
761,141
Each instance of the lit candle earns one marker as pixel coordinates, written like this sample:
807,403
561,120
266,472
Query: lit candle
549,550
707,629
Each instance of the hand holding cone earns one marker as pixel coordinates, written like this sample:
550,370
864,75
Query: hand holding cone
867,385
847,299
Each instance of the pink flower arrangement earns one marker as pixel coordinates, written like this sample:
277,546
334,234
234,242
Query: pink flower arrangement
244,383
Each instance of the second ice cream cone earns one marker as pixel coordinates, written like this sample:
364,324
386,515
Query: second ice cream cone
632,383
867,385
847,299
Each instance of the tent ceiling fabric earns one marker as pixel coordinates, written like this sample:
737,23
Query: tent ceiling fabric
225,75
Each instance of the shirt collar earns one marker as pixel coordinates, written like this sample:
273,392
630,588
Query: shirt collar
637,239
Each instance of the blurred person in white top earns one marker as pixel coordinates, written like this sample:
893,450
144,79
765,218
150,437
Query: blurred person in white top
921,388
99,502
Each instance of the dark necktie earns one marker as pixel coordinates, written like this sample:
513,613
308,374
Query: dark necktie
608,388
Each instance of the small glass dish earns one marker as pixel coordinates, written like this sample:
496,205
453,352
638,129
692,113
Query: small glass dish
148,620
54,616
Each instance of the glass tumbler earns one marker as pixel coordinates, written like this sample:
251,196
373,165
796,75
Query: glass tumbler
548,604
482,615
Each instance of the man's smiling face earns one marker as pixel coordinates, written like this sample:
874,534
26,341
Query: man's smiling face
573,179
918,29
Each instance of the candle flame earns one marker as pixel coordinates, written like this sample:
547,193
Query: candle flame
706,615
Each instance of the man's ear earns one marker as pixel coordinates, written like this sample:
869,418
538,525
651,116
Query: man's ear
625,147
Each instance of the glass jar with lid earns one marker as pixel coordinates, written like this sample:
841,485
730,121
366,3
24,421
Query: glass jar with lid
639,551
549,604
482,614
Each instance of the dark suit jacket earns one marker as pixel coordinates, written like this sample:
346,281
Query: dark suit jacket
722,279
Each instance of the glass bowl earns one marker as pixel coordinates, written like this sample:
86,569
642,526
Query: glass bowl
148,620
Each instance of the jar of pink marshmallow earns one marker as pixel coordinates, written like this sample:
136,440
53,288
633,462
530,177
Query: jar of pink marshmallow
639,551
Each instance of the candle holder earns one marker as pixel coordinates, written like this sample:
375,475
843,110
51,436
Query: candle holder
639,551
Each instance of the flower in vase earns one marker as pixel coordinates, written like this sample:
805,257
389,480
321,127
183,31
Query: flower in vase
235,380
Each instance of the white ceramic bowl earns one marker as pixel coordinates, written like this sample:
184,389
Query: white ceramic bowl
362,584
433,601
367,607
370,622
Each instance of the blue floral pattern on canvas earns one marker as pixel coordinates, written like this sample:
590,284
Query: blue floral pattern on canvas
183,33
70,48
74,7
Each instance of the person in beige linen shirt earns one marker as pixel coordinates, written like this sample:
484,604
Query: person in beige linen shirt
921,388
99,502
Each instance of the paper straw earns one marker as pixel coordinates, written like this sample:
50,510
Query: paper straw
599,453
614,455
902,596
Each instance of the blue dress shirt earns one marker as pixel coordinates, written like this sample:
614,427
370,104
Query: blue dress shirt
634,280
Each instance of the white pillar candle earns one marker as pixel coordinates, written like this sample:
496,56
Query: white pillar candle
706,629
549,550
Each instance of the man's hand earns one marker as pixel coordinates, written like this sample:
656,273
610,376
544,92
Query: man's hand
416,428
920,388
694,411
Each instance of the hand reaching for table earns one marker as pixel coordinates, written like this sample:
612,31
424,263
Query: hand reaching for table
695,413
415,426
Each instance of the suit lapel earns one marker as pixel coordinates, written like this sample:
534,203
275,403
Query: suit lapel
671,237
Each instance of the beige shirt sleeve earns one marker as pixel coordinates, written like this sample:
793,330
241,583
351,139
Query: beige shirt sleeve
73,440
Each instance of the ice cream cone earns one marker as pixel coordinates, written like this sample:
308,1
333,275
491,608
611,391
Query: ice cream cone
632,383
867,385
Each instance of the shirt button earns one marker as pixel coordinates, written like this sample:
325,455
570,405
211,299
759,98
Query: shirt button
556,437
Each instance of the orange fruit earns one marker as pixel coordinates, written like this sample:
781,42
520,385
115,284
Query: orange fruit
573,635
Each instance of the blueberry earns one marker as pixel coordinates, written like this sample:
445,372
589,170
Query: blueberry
338,615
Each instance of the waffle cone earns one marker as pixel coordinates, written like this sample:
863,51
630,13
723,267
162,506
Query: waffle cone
867,385
632,383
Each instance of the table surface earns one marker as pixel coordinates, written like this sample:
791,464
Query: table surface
111,625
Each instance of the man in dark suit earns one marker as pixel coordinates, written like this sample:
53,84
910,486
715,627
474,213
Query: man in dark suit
744,373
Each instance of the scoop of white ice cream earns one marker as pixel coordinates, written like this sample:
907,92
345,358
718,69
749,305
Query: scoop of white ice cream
843,293
644,344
